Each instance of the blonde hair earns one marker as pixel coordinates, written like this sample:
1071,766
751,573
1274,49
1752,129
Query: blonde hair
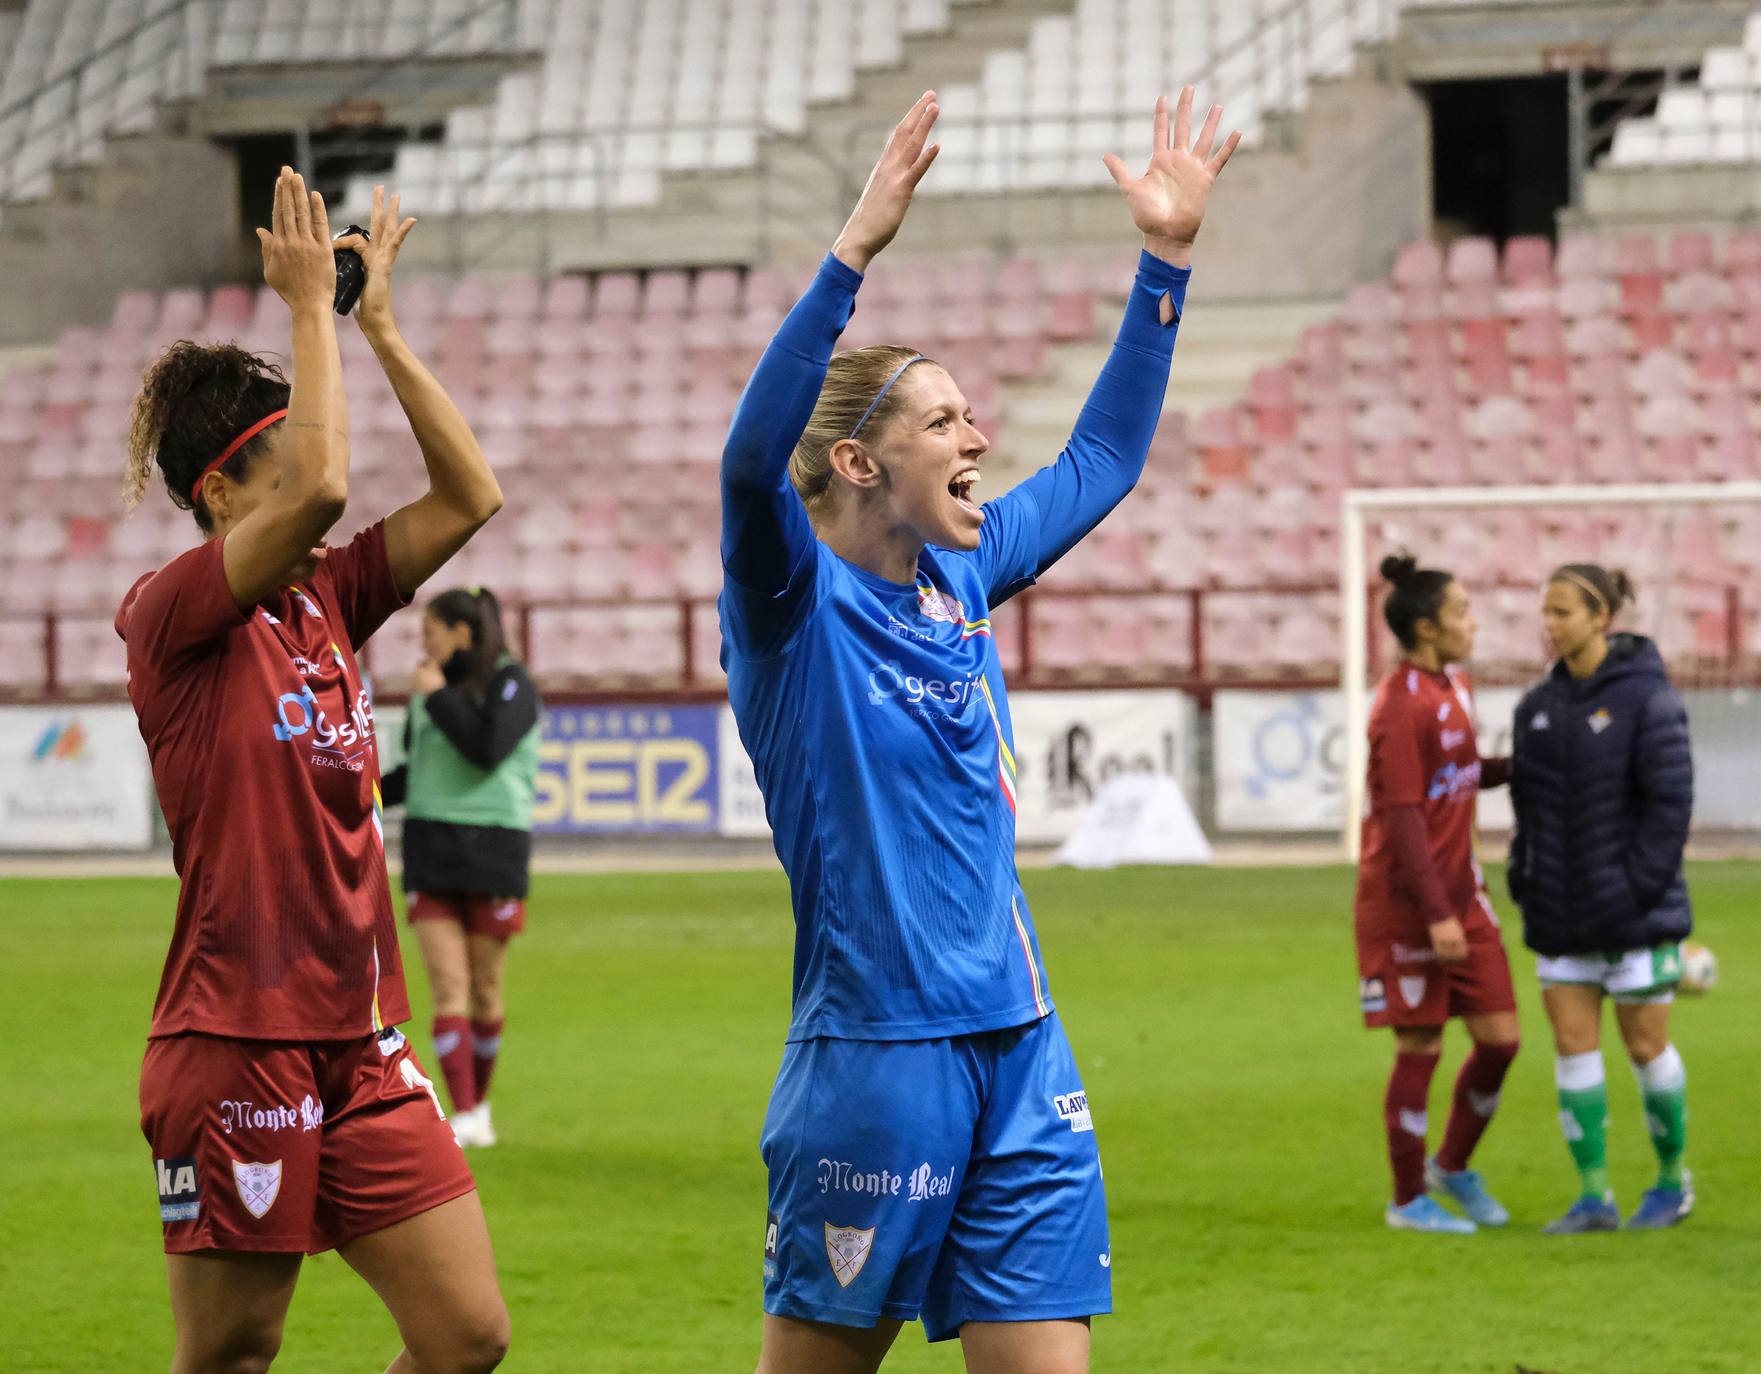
852,382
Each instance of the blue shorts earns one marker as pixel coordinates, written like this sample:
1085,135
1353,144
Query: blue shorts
957,1179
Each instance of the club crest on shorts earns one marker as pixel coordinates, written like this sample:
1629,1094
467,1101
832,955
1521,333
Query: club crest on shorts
258,1185
848,1248
1412,989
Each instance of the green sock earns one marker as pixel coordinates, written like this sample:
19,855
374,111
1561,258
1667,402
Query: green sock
1583,1117
1663,1083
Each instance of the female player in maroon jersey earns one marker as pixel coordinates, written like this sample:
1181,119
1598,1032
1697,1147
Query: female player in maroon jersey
285,1111
1428,944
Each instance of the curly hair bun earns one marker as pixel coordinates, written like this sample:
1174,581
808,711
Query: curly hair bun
1399,567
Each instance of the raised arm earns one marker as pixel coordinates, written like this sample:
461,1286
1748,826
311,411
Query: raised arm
767,542
462,491
260,552
1107,448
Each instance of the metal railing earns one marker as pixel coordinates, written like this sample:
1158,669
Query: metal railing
1187,661
166,55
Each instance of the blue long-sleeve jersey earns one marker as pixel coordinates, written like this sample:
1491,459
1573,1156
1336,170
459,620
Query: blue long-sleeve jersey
874,711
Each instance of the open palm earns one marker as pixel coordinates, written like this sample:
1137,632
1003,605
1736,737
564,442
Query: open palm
378,250
1168,201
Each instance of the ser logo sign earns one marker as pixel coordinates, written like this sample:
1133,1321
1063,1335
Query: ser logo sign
623,770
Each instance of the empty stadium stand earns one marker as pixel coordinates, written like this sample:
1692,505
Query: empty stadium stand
603,405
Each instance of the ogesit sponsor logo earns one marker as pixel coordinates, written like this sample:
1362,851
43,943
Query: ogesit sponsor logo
1455,781
299,716
236,1114
888,681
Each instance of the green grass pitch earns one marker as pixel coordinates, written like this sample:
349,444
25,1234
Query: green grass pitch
1236,1099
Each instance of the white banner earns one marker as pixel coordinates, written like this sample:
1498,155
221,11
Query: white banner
1067,744
74,778
1279,758
741,811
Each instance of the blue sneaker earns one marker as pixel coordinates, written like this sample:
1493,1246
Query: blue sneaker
1663,1207
1587,1214
1424,1214
1468,1190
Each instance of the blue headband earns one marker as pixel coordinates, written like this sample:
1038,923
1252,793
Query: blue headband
898,372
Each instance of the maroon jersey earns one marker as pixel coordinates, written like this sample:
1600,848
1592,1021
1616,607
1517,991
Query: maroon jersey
261,737
1422,753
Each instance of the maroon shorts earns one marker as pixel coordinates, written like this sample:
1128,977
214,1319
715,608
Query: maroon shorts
293,1146
1401,983
479,915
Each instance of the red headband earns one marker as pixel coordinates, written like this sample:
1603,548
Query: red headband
234,447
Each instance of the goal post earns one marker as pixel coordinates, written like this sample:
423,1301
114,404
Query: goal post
1624,508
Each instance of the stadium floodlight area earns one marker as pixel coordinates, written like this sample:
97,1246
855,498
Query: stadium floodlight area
1693,551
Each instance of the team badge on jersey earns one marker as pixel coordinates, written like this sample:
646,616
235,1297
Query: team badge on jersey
1600,721
179,1197
258,1185
1412,989
935,606
847,1248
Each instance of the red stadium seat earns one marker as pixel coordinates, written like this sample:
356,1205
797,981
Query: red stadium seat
1528,261
1472,261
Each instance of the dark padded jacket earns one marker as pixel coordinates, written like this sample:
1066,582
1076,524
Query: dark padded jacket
1603,785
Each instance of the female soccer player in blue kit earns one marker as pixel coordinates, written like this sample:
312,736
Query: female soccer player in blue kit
928,1140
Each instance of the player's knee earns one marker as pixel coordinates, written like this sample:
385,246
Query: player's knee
244,1350
473,1343
1642,1048
486,998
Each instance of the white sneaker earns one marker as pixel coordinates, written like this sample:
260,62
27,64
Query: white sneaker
472,1129
467,1127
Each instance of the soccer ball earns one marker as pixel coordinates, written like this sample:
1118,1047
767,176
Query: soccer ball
1699,968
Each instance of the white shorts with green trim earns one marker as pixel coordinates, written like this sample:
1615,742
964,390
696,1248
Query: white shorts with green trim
1634,976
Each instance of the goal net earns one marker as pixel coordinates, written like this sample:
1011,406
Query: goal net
1693,552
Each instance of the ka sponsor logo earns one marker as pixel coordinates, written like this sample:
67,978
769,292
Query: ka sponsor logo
840,1176
847,1248
179,1197
258,1185
1073,1107
1373,994
925,1184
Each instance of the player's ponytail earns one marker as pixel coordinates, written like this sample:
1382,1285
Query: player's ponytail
1602,589
853,381
476,608
194,401
1417,595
